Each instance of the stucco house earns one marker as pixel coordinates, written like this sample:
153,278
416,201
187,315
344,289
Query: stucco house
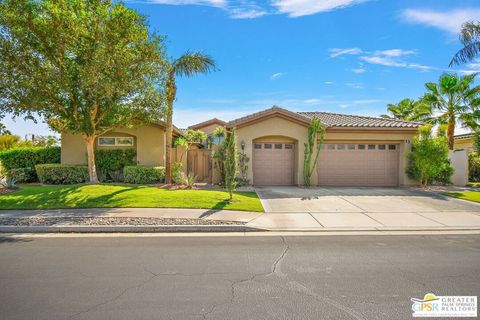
464,142
358,150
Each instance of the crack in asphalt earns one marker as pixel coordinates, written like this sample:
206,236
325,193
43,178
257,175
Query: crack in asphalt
302,289
273,270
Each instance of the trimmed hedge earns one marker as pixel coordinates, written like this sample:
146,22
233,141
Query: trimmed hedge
21,175
143,174
61,174
110,163
27,158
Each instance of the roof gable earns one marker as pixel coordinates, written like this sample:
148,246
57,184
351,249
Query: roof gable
274,111
207,123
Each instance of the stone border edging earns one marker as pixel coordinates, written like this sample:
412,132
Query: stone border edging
127,229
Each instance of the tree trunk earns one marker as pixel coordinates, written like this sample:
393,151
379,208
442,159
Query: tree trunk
451,133
92,170
168,148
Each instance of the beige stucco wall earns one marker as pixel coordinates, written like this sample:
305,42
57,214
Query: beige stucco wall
275,128
149,142
403,139
464,144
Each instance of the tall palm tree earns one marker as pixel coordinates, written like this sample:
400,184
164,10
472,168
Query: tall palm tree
456,101
470,38
409,110
187,65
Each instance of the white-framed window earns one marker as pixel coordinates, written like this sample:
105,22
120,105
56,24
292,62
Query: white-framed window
115,141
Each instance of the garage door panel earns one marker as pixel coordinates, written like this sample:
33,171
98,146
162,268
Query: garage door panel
273,166
342,166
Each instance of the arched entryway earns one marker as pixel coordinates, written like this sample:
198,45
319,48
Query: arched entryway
274,161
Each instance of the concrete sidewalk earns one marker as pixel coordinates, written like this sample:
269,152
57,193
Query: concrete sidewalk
279,221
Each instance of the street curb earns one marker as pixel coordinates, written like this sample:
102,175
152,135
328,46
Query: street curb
127,229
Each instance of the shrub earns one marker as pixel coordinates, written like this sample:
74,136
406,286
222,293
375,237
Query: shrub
474,167
190,180
61,174
8,141
28,157
21,175
428,162
178,176
143,174
110,163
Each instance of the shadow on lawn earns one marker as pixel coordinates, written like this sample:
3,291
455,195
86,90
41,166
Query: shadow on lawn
60,197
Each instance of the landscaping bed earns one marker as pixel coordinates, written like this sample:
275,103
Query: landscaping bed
108,221
124,196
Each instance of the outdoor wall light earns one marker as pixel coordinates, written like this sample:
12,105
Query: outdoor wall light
242,145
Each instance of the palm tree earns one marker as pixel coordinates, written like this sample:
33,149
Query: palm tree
456,101
409,110
186,65
470,38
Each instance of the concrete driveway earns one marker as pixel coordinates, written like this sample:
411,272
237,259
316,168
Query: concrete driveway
293,207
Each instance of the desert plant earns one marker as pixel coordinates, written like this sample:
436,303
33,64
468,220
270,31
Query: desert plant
243,160
316,133
144,174
190,180
178,176
428,162
9,183
218,154
61,174
231,162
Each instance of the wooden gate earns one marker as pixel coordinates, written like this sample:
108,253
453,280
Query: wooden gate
199,161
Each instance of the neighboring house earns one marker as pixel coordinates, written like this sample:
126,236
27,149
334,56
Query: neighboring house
358,150
464,142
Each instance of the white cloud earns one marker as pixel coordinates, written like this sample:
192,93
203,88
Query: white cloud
354,85
449,21
389,62
336,52
329,82
394,52
298,8
359,70
213,3
277,75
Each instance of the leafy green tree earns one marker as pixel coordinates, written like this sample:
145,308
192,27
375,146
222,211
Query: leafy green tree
4,131
84,66
409,110
187,65
231,162
454,99
470,38
428,162
189,138
316,132
476,141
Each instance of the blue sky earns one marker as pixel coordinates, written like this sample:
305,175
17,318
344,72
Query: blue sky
345,56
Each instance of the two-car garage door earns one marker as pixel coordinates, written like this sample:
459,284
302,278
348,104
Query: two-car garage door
339,164
358,165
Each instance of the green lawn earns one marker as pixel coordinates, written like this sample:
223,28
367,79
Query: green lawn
467,195
124,196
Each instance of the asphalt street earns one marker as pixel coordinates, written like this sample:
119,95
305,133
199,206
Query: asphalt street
323,277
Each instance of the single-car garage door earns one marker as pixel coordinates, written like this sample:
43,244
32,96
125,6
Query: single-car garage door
273,164
358,165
